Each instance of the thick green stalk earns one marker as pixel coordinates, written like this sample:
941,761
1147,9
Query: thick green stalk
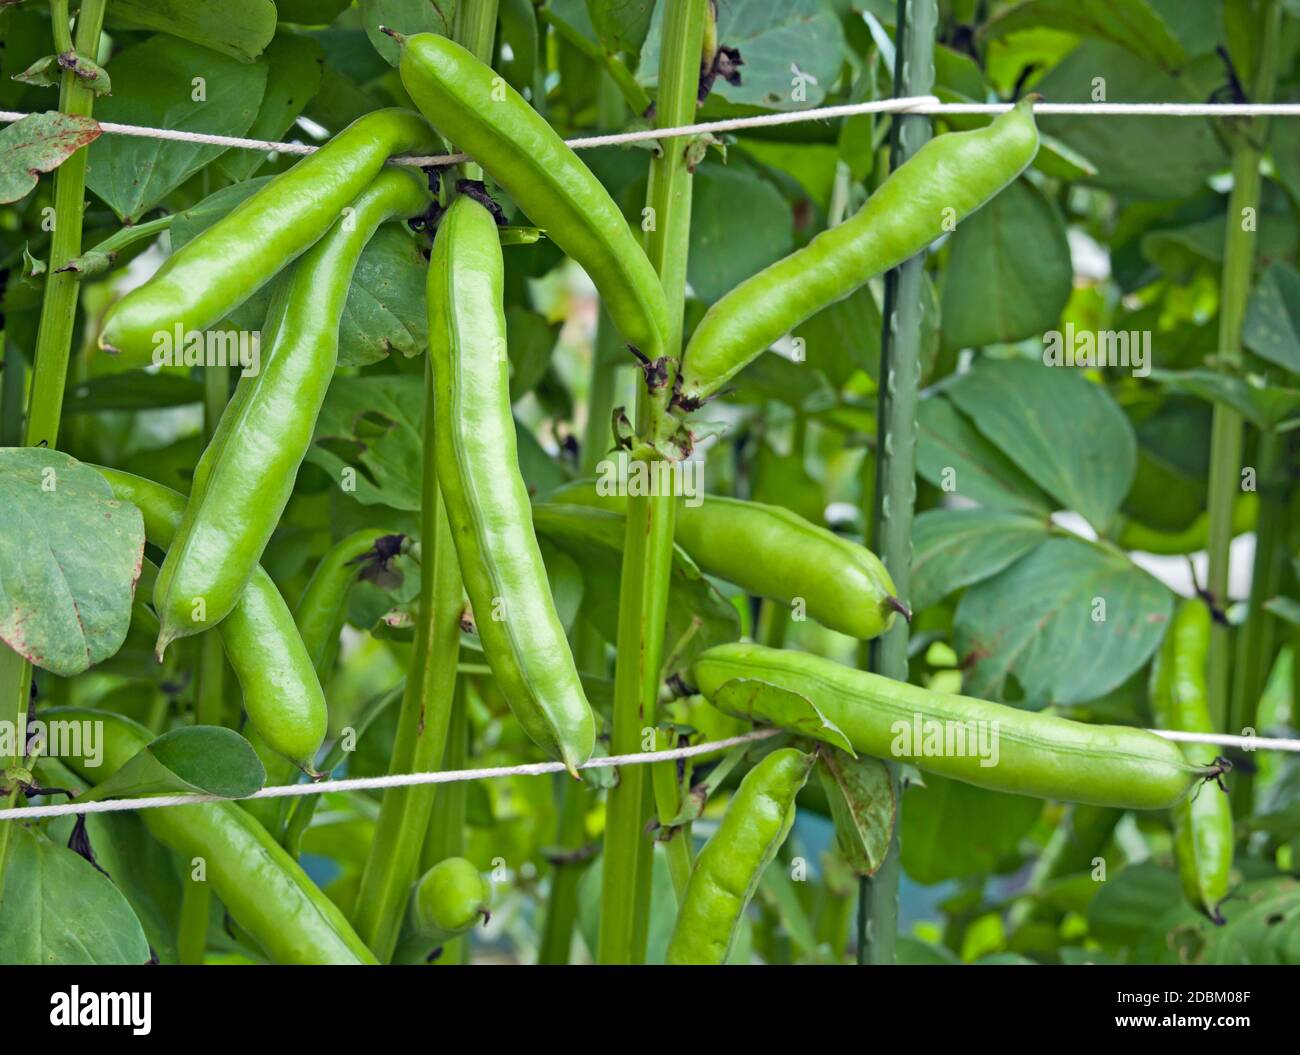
1257,639
900,379
422,724
58,315
196,896
647,552
446,836
59,308
1226,432
566,872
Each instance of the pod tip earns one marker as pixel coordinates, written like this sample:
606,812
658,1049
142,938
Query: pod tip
399,37
899,607
165,637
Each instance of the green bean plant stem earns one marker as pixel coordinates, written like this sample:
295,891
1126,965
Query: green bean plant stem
900,378
1234,292
196,896
647,552
446,837
58,316
423,722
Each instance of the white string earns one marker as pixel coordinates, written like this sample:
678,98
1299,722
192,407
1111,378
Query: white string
394,780
455,776
914,104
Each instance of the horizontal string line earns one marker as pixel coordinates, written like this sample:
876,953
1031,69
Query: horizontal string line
454,776
914,104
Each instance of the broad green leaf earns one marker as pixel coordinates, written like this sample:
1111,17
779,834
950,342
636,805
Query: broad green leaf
772,376
1131,901
1182,251
238,28
1262,927
1066,433
621,25
739,224
843,337
310,12
61,910
953,456
861,795
69,557
952,548
406,17
953,830
199,759
144,871
1009,273
1120,147
772,38
811,165
385,309
1070,622
132,390
293,65
39,143
517,36
783,480
758,701
530,340
1265,406
368,437
1272,326
914,951
1132,24
155,84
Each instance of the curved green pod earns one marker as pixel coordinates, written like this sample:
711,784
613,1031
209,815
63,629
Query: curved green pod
450,899
726,874
282,695
246,475
948,179
986,744
483,116
487,502
1203,829
226,264
771,552
262,887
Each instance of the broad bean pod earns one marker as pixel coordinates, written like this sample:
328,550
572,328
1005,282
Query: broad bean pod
1031,753
282,695
948,179
1203,831
482,115
262,887
487,503
771,552
246,475
726,874
450,899
230,261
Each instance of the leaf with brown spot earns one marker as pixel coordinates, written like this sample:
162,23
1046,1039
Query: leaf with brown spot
39,143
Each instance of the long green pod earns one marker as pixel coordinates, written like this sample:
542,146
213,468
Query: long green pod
986,744
246,475
282,695
771,552
482,115
230,261
487,502
726,874
262,887
451,899
948,179
323,605
1203,831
